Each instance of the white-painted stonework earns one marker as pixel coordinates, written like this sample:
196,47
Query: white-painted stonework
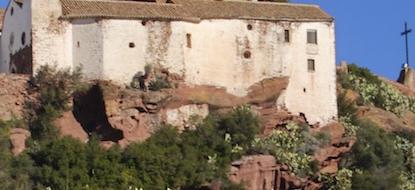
228,53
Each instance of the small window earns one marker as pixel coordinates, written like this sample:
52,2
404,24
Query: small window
143,22
78,44
23,38
131,45
249,26
312,36
311,64
11,11
247,54
189,40
287,36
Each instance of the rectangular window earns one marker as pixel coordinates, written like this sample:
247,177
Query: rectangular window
311,64
287,36
312,36
189,40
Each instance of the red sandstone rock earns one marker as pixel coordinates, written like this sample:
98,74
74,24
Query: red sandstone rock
14,94
255,172
18,139
69,126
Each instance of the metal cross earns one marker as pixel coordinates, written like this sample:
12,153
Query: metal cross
405,33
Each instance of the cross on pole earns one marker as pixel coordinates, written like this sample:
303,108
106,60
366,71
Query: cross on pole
405,33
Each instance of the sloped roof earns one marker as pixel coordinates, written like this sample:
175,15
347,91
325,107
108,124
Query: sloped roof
193,10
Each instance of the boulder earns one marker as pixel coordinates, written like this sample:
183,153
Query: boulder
255,172
18,137
69,126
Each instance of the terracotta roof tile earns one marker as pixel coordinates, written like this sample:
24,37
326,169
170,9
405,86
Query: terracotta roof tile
193,10
2,11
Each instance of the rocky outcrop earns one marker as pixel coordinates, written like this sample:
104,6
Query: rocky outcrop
123,115
387,120
18,137
272,118
14,95
330,155
255,172
260,172
69,126
186,117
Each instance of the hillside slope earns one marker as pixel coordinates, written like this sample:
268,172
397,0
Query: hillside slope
77,135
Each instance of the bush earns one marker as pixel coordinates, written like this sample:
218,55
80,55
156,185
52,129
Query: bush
376,161
56,88
293,147
341,181
159,83
374,91
241,125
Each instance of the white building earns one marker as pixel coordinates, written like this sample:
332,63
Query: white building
229,44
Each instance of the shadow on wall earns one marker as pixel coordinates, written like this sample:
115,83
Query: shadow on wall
21,62
89,110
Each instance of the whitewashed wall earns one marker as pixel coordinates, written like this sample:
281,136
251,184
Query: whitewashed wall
216,56
13,27
217,53
312,93
155,43
51,36
87,47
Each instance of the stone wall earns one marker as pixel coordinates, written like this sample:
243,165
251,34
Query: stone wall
51,36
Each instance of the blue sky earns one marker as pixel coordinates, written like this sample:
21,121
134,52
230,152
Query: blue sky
368,32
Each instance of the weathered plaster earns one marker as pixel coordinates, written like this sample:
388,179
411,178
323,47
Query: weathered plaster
229,54
14,26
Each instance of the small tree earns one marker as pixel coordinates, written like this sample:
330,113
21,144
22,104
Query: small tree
56,88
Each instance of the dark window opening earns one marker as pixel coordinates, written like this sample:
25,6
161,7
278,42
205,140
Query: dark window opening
311,64
249,26
286,35
304,90
143,22
131,45
189,40
11,11
23,38
78,44
312,36
247,54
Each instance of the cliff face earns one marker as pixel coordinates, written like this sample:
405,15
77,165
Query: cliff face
14,94
123,116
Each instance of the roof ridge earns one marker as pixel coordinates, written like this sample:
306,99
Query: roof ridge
131,2
258,2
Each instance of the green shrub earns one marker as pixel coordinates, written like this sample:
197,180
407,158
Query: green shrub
376,161
159,83
56,88
241,125
341,181
293,147
345,107
374,91
364,73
